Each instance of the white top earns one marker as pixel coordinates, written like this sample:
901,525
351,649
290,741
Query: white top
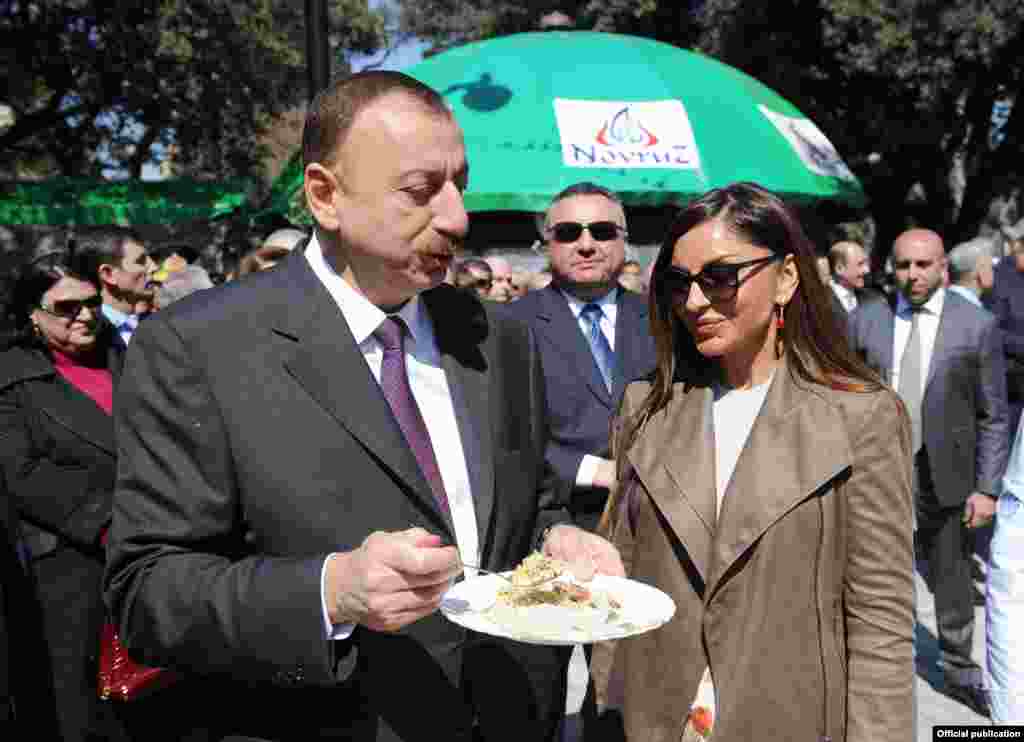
609,313
846,297
734,412
928,325
429,386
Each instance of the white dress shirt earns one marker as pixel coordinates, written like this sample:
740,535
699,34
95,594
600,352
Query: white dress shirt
124,324
928,326
846,297
609,312
429,386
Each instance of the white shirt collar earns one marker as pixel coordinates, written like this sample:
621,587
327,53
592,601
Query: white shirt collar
362,316
606,302
932,306
845,295
116,316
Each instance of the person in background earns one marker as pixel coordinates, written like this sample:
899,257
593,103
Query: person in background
1007,303
274,247
944,356
180,283
764,484
1004,611
58,369
970,269
824,269
474,274
501,279
521,280
849,265
309,458
541,279
116,259
631,277
593,338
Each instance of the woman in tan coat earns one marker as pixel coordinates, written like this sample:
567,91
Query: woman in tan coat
764,483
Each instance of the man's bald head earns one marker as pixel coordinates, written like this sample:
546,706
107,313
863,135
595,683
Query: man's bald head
919,264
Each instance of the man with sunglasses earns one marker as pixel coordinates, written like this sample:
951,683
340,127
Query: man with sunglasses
593,338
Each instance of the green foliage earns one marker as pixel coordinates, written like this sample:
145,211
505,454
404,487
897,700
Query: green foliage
100,85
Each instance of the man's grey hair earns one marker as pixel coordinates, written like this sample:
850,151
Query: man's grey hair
181,283
963,259
583,188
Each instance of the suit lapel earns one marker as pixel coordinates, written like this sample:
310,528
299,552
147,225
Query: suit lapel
328,364
942,339
560,328
76,411
797,445
674,458
459,340
630,328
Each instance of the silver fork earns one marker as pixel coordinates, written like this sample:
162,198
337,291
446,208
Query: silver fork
507,579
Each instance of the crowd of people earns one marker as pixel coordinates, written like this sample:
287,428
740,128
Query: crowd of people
262,492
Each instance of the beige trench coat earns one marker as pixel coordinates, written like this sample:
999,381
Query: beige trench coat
800,595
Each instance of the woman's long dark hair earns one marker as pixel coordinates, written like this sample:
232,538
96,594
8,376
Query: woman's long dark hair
31,278
814,340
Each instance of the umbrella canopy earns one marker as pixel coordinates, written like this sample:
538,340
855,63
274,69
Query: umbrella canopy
66,201
648,120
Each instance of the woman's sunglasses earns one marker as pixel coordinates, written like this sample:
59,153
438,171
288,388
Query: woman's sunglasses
572,231
71,308
717,281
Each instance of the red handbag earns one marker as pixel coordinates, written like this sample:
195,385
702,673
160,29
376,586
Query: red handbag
123,679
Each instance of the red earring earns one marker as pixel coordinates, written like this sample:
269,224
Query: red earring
780,323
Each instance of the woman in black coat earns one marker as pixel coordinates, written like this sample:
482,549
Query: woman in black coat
57,372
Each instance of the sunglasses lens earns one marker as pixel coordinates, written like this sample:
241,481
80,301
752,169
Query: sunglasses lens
567,231
604,231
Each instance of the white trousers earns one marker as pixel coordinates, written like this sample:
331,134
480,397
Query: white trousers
1005,610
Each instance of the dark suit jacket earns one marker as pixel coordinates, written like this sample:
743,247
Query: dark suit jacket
254,441
579,405
58,455
1007,302
963,415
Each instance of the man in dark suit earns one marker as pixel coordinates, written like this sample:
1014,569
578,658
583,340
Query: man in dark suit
1007,302
944,356
308,457
593,339
849,265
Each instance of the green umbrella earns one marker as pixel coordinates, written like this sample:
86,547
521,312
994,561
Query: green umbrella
648,120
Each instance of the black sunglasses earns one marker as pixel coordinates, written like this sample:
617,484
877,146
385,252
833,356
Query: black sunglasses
571,231
71,308
718,281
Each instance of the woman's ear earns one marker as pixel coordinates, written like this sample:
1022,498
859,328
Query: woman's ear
322,189
788,280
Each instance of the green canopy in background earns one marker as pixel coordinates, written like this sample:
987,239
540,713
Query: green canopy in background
71,201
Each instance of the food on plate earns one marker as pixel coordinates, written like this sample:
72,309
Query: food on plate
537,568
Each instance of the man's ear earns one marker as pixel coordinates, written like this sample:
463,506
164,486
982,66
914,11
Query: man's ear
322,190
106,274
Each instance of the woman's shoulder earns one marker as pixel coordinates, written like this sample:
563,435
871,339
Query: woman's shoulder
862,408
19,363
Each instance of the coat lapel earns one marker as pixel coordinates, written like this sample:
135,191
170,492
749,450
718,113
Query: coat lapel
674,459
797,445
942,338
76,411
559,328
459,340
328,364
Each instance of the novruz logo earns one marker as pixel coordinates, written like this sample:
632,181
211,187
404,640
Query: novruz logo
625,131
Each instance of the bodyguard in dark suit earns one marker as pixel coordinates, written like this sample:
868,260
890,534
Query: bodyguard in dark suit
593,339
309,455
944,356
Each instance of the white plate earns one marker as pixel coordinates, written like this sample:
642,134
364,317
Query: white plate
472,604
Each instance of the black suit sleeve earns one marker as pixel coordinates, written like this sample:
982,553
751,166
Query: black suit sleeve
181,582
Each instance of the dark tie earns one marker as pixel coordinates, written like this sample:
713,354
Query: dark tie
910,379
394,382
599,347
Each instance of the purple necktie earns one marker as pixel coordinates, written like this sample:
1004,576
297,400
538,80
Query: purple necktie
394,382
